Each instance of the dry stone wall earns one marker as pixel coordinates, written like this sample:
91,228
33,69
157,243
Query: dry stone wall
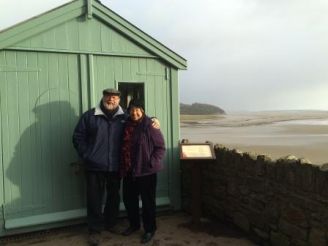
282,202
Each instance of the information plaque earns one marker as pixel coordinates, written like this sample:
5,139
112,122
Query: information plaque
193,151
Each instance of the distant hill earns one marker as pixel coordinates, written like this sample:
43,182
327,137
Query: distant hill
200,109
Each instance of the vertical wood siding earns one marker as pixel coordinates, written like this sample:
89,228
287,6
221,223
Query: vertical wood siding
40,104
79,35
41,99
48,80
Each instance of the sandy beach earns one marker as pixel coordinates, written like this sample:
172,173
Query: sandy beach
303,134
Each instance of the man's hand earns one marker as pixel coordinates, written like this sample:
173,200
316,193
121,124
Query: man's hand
155,123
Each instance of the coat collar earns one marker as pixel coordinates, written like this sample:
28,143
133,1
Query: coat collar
98,111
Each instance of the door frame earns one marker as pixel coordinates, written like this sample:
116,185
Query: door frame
131,83
117,82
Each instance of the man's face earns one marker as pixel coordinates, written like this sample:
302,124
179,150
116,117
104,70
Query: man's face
136,113
111,101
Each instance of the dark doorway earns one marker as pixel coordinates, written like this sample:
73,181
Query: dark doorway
131,91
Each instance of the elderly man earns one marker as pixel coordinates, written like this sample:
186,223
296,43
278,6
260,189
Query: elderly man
98,139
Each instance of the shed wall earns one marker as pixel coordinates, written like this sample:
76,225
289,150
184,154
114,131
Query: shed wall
52,69
79,36
42,95
40,103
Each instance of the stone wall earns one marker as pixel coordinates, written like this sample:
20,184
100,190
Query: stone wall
282,202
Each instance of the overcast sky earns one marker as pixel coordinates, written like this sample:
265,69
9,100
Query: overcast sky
242,54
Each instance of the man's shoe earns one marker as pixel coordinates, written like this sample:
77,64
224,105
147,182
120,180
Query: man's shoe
94,239
131,229
147,237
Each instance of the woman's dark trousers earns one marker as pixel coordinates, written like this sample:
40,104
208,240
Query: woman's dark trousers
97,184
145,186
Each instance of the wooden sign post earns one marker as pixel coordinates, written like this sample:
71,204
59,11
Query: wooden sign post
196,154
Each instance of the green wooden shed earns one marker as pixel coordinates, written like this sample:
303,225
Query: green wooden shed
54,67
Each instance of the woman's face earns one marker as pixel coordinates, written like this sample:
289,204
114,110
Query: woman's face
136,113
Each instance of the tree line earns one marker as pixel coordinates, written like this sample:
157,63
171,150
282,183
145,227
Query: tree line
200,109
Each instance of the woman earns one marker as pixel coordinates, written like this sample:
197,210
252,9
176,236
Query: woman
142,152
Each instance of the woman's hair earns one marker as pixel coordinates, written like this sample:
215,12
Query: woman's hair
136,103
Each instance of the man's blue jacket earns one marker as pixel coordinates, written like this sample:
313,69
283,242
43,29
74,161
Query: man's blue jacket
98,140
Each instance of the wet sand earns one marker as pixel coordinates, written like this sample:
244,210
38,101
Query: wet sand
302,134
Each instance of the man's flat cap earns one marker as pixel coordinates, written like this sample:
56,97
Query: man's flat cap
111,91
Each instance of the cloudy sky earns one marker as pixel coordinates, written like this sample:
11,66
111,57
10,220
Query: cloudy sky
242,54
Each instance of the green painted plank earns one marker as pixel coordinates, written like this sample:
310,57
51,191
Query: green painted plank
84,83
107,70
72,34
118,71
63,178
41,23
63,174
52,135
169,155
44,219
5,138
90,35
33,92
70,197
161,112
100,73
11,151
152,86
179,64
134,67
142,69
89,9
163,201
117,42
139,36
28,42
77,8
2,78
83,36
61,36
106,39
94,35
91,82
50,39
175,181
86,36
23,169
53,121
44,17
110,74
40,126
111,54
77,181
126,69
74,87
33,42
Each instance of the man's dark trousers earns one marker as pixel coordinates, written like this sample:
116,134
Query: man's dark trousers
97,184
